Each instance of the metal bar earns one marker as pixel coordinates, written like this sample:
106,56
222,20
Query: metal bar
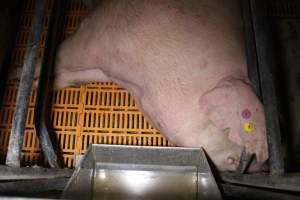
29,173
245,161
237,192
289,182
20,115
47,188
253,73
252,64
265,57
41,115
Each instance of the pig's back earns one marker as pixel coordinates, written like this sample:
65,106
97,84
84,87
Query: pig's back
197,40
173,52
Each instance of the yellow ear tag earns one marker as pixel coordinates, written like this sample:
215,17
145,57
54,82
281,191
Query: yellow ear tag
248,127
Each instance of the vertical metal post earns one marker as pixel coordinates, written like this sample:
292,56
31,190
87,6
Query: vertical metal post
252,63
20,115
41,117
266,62
253,73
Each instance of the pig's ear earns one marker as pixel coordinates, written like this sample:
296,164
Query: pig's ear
220,105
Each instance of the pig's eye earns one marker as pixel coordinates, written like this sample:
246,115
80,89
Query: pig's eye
246,114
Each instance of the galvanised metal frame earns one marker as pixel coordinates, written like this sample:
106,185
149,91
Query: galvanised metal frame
260,62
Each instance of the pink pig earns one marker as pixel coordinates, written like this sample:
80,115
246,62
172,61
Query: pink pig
184,62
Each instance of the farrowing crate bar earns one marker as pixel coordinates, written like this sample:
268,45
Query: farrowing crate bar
105,113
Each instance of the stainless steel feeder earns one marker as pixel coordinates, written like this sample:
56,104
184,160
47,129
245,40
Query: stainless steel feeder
135,172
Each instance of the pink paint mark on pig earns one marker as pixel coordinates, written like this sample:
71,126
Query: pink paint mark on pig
246,114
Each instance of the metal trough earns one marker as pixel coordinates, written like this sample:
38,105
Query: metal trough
132,172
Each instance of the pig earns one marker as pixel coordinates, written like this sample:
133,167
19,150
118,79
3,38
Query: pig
184,62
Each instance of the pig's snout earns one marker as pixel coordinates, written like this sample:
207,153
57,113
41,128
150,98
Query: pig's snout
226,162
232,161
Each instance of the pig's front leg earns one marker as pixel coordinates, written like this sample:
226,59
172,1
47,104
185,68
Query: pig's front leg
74,65
77,78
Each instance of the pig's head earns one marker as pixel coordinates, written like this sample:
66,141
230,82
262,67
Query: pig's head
233,108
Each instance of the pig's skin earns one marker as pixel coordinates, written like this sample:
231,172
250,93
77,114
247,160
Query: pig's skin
183,61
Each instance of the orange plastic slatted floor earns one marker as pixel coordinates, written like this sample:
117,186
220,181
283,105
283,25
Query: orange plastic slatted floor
95,113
